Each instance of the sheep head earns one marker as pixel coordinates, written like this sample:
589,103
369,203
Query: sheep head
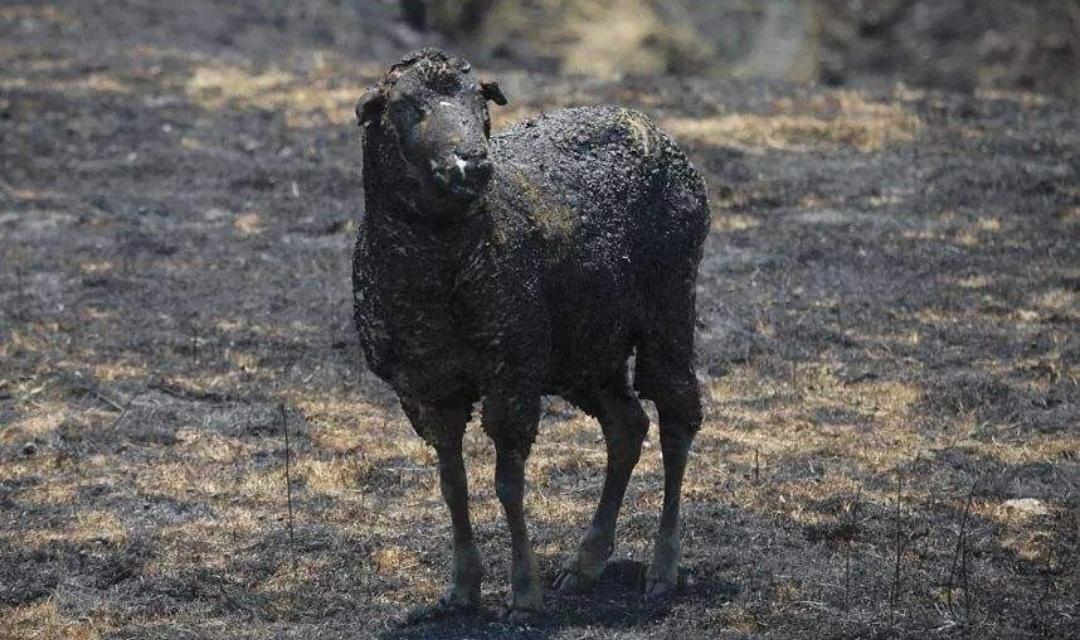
434,109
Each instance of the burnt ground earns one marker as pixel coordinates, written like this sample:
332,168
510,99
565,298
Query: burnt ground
889,345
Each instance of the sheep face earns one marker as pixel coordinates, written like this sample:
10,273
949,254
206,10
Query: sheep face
435,111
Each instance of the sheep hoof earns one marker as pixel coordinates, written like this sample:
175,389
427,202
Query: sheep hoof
659,588
519,616
456,599
662,578
449,604
523,608
574,580
661,582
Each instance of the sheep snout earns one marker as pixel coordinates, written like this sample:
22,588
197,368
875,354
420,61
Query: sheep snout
464,174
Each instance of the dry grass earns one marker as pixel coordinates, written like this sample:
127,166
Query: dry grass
45,621
848,121
316,99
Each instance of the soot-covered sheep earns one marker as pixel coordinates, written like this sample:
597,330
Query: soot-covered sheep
536,261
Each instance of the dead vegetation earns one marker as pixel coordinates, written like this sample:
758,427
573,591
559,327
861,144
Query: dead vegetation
887,338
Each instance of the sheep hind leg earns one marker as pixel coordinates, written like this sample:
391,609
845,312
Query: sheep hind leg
679,408
624,424
665,375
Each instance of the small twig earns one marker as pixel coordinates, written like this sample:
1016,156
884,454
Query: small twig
193,336
961,545
966,587
852,520
894,601
104,398
288,483
127,405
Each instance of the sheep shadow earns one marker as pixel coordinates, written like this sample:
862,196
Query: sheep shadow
615,603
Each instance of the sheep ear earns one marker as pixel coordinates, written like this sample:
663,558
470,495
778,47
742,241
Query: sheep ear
491,91
370,106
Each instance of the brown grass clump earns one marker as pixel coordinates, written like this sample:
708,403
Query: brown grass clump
45,621
850,122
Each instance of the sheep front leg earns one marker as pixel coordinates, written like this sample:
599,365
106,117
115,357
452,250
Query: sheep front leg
511,422
443,426
464,591
526,595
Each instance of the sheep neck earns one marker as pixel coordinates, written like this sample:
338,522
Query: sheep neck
402,222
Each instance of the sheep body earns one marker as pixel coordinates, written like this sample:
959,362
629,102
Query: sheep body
590,232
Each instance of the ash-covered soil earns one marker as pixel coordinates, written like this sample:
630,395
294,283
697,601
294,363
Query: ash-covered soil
889,342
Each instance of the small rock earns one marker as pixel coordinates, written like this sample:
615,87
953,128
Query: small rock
29,449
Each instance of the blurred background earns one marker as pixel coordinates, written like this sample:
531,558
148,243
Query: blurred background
1031,45
956,44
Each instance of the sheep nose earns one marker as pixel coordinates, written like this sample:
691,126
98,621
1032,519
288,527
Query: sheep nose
464,173
472,165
